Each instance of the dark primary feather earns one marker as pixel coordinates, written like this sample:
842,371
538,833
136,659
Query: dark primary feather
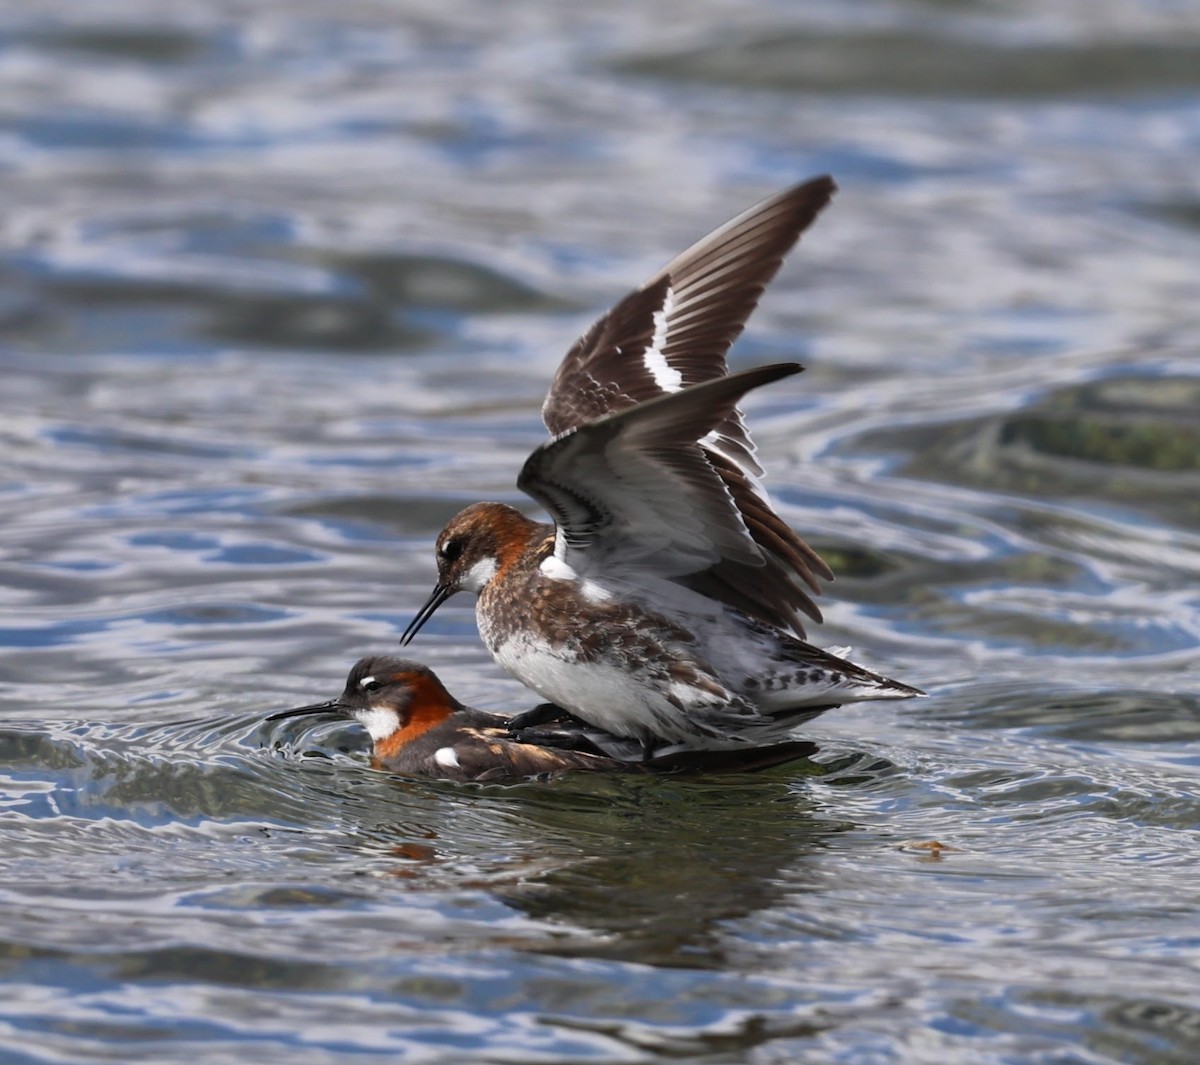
716,284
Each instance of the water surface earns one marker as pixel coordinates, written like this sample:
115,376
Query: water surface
283,287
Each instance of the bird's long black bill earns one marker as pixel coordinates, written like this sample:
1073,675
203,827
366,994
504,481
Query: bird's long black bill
334,706
440,594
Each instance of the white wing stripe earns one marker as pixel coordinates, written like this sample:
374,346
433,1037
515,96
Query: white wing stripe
665,375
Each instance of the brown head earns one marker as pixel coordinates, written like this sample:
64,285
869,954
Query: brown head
478,543
394,699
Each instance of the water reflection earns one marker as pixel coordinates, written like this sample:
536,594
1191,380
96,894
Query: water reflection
630,860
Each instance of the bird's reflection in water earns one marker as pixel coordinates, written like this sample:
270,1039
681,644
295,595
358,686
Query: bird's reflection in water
648,868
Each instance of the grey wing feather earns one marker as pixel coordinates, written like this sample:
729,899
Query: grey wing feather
634,487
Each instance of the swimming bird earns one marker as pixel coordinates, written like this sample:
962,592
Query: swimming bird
419,729
665,601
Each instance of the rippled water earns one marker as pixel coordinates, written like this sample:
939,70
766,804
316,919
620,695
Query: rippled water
282,288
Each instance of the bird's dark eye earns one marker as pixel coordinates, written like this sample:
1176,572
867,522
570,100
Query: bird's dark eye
451,549
370,684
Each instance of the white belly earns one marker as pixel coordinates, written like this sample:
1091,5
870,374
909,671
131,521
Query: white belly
608,694
602,694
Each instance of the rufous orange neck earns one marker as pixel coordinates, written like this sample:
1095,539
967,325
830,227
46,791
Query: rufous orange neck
514,532
430,705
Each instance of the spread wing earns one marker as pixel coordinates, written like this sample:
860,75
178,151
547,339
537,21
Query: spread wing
673,334
632,492
675,331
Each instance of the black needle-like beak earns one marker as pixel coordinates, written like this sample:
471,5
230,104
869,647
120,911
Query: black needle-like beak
441,592
334,706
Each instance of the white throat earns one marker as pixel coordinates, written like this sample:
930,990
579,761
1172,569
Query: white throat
479,574
379,721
